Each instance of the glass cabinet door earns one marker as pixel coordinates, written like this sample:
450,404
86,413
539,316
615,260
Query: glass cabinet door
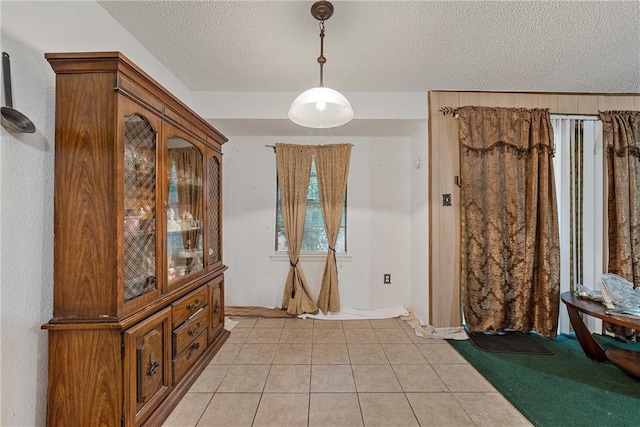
213,211
185,209
139,207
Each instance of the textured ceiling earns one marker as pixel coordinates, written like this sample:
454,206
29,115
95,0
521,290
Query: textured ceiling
568,46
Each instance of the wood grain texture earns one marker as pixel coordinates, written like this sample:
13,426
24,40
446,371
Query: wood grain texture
444,219
95,62
144,391
85,378
84,197
186,307
111,360
217,307
185,334
183,361
180,388
628,361
216,291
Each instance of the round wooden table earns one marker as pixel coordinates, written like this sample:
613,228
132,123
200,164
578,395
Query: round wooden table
628,361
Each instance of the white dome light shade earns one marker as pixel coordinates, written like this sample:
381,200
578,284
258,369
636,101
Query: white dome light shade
320,108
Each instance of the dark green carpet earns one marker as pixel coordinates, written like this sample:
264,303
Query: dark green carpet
563,389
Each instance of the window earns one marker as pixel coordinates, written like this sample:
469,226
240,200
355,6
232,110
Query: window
314,238
579,169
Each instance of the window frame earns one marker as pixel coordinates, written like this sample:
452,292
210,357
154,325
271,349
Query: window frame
280,254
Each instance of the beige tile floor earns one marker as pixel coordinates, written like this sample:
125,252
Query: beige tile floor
293,372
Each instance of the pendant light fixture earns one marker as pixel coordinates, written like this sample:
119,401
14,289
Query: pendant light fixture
321,107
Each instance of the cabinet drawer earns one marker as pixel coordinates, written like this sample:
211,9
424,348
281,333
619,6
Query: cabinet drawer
187,306
186,333
187,358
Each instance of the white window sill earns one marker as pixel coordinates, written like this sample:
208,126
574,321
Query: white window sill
310,257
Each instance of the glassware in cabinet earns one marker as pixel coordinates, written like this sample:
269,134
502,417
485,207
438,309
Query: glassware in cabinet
139,207
184,209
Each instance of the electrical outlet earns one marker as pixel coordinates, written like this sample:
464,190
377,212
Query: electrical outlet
387,278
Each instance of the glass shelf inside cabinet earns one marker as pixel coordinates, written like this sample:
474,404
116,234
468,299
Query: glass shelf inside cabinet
139,207
185,209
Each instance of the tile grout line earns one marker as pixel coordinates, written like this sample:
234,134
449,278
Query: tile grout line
255,413
350,359
309,395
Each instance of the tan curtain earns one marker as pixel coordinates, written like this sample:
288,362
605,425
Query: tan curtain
332,167
621,130
188,165
511,241
294,166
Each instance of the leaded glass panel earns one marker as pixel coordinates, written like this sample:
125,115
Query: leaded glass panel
213,210
139,207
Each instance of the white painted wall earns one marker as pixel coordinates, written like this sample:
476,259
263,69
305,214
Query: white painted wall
378,223
29,29
420,223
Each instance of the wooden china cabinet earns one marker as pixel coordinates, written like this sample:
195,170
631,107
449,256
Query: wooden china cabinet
138,306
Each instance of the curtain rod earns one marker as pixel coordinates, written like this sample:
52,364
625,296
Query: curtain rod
449,111
274,147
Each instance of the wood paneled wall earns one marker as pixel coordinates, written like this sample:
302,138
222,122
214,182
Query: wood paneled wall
444,164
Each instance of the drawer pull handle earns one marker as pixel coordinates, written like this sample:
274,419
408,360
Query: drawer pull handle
153,365
195,305
216,308
193,348
195,330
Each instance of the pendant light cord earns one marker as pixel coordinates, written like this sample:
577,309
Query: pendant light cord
321,58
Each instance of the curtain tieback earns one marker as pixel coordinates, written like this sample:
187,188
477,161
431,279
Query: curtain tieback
292,264
332,249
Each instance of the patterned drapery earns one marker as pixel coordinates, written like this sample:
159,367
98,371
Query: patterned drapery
621,131
511,257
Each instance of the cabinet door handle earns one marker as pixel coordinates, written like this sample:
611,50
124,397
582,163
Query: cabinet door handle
195,305
193,348
216,308
153,366
195,330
